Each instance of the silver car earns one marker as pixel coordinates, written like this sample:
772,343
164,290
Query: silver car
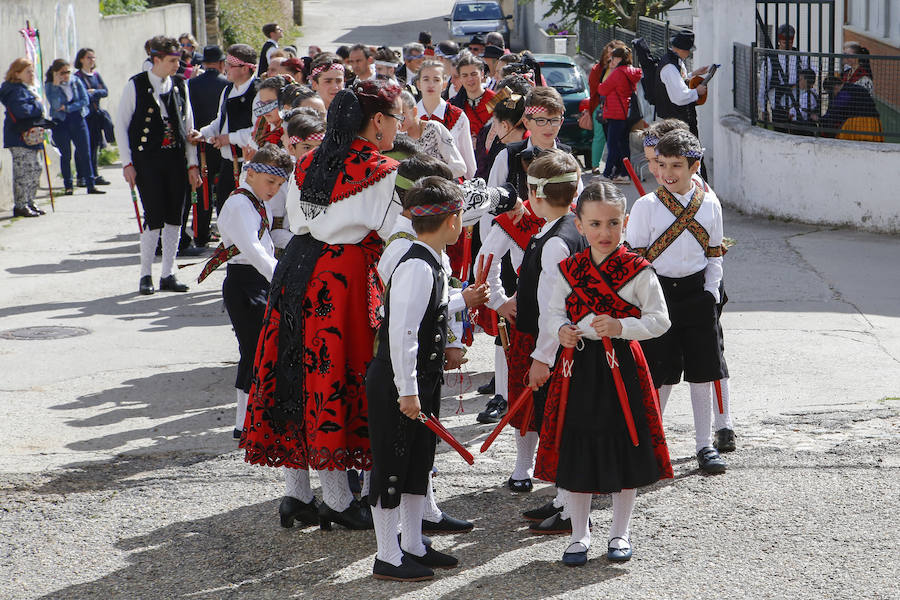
469,17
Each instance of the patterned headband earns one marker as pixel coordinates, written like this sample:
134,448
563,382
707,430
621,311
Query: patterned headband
267,169
262,108
411,56
444,208
161,53
328,67
234,61
385,63
541,182
697,154
439,54
313,137
650,140
533,110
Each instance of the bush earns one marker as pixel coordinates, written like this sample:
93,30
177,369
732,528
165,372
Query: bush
108,156
241,22
121,7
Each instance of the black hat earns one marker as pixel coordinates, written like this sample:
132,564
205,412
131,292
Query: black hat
213,54
477,39
492,52
683,40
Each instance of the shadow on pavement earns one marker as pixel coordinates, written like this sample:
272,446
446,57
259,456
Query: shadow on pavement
406,30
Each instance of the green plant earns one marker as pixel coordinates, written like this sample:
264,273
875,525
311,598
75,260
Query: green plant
120,7
609,12
108,156
241,22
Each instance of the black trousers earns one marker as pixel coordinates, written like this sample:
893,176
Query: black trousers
402,449
226,183
161,183
245,292
213,164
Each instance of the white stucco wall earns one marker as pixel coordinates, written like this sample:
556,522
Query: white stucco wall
821,181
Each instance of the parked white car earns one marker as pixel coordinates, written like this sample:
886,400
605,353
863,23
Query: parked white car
469,17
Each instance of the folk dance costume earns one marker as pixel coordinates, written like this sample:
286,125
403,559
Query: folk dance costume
437,142
597,454
557,240
249,251
409,360
456,122
476,109
682,236
155,116
235,118
308,406
264,133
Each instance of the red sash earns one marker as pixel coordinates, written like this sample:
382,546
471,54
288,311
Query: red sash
223,254
521,232
364,166
595,287
452,113
479,115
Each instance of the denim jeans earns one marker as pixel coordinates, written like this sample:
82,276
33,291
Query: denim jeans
73,130
617,142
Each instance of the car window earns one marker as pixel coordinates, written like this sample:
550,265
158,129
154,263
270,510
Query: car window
477,11
564,78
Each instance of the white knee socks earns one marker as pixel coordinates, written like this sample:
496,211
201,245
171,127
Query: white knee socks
701,400
432,512
579,506
664,393
241,412
723,420
364,488
170,236
149,239
296,484
387,526
622,505
525,449
562,501
501,373
336,489
412,507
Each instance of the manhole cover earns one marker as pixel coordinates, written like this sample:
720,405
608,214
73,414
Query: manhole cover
49,332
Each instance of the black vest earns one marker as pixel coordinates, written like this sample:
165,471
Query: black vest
263,61
527,309
518,157
239,109
146,129
665,108
432,334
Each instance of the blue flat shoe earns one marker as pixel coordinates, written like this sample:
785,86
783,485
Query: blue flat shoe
574,559
619,554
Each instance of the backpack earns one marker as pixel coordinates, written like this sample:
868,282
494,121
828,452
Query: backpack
650,66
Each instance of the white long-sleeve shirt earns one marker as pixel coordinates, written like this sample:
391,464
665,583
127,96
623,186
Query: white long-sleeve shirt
499,244
277,205
674,79
554,252
406,312
460,131
241,137
397,247
649,218
239,225
642,291
126,112
438,142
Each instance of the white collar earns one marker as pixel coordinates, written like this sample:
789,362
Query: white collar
238,90
686,198
438,112
404,225
436,256
548,225
157,81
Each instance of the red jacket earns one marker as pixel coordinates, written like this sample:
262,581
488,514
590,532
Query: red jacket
618,88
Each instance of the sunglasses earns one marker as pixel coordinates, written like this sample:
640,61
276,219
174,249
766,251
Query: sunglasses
400,118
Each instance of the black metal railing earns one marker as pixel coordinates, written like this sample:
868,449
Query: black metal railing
821,94
811,20
592,37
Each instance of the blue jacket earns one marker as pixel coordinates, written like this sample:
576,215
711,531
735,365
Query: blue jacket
24,110
80,103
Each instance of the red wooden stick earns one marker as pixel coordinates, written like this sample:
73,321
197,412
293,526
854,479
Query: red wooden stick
634,177
437,427
512,410
718,385
466,267
483,269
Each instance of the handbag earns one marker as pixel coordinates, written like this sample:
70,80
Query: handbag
585,120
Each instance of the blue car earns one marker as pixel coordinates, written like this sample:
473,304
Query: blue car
562,73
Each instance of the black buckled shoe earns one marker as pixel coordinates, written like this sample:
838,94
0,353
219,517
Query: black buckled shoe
487,388
494,410
170,284
710,461
35,208
25,211
292,509
619,554
409,570
552,526
520,486
146,286
724,440
434,559
94,190
100,180
537,515
352,518
447,524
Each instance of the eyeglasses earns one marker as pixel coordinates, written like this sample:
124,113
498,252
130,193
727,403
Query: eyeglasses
543,121
400,118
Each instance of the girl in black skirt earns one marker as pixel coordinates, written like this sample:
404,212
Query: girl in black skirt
605,298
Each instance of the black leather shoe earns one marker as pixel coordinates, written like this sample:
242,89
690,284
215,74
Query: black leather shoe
170,284
520,486
447,524
409,570
100,180
710,461
552,525
94,190
36,209
352,518
434,559
236,434
25,211
68,192
487,388
539,514
724,440
292,510
354,481
191,251
80,182
146,286
494,410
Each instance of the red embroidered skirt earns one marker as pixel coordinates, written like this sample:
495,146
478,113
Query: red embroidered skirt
339,309
521,345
